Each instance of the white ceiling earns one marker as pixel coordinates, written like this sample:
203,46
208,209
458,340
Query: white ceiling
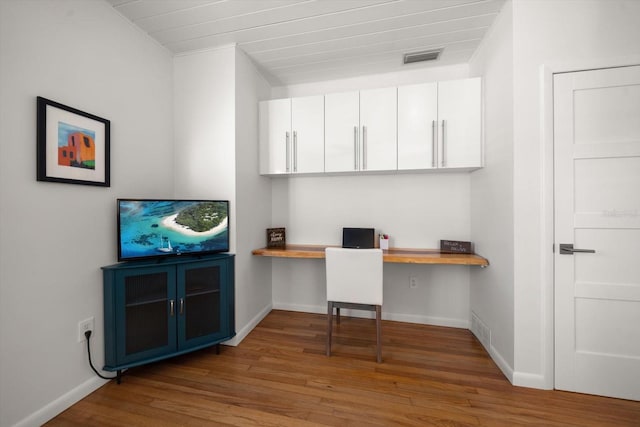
297,41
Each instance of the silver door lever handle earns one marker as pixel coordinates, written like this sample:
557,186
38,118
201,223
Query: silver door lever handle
568,249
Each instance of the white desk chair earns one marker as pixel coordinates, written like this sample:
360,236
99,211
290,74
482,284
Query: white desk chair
354,280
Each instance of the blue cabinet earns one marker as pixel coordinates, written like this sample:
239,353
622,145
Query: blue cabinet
158,309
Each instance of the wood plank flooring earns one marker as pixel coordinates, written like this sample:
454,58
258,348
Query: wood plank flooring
280,376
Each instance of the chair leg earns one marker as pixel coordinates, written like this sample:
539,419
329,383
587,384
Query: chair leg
329,326
379,334
337,315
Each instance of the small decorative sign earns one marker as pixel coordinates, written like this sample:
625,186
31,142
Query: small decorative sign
456,247
276,238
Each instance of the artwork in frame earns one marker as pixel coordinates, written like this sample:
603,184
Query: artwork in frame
72,146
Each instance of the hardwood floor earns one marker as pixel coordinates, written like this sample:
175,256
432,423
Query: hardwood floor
280,376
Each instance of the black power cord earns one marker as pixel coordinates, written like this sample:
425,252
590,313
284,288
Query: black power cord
87,334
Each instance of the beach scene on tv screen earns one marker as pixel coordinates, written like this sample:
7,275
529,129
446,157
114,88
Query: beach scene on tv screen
156,228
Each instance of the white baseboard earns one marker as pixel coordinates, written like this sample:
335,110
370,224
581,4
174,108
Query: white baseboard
524,379
506,369
54,408
398,317
242,334
301,308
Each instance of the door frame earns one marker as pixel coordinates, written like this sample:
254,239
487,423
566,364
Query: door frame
547,208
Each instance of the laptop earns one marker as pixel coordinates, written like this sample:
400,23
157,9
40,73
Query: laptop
358,238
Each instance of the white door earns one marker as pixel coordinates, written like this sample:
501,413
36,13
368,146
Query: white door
307,128
275,136
460,115
341,131
417,126
378,129
597,208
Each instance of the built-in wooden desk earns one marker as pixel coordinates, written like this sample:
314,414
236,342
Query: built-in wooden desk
397,255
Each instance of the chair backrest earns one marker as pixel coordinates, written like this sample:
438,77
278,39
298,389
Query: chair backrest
354,275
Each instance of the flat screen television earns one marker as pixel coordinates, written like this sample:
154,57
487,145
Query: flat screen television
164,228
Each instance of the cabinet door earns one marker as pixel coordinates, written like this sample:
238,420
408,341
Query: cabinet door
200,308
378,129
341,125
460,133
275,136
417,126
145,313
307,127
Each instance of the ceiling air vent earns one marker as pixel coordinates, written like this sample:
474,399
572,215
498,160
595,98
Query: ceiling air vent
427,55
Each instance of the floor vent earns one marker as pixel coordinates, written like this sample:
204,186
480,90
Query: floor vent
481,331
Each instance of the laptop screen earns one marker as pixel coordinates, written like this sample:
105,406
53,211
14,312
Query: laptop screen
358,238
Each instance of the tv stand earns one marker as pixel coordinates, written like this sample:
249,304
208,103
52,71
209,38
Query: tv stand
156,310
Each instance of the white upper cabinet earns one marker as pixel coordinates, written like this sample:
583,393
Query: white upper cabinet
460,127
378,129
292,135
307,133
439,125
341,136
360,130
417,126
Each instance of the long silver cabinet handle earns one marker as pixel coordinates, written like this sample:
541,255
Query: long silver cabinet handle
444,142
287,149
171,308
433,143
181,306
295,151
355,148
364,148
568,249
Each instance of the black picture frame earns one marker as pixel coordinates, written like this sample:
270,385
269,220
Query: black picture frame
73,146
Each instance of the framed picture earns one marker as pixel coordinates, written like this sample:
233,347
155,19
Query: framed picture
73,146
276,238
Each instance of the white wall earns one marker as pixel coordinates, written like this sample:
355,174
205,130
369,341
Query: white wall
55,237
253,199
415,73
549,33
492,194
417,210
204,121
216,151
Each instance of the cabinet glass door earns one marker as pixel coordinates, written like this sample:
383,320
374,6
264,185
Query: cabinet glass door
146,314
200,311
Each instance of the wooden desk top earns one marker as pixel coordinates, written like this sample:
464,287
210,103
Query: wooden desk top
397,255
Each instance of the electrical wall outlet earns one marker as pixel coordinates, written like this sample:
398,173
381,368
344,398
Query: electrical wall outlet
413,282
84,326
